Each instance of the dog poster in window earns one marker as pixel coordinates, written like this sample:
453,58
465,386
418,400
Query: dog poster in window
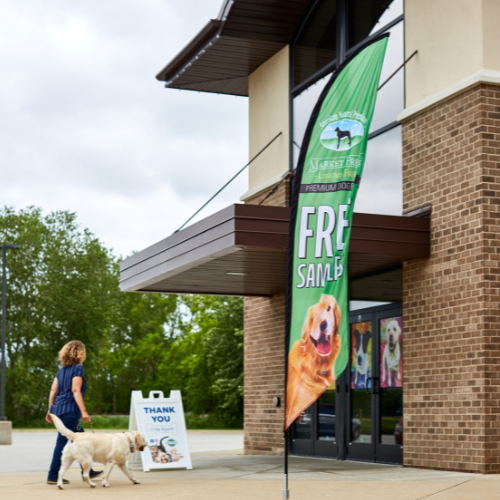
391,352
361,355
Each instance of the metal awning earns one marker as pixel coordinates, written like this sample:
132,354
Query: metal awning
228,49
241,250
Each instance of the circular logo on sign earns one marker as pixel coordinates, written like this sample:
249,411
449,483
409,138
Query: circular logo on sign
342,135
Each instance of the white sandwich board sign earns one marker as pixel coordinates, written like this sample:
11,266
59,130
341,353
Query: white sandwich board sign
161,421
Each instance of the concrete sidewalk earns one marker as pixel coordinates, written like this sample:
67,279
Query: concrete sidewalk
228,475
39,446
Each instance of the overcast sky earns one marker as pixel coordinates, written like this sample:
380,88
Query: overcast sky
86,127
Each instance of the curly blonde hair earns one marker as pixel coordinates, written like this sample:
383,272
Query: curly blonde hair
72,353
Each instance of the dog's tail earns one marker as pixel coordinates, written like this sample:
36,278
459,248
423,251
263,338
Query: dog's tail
60,427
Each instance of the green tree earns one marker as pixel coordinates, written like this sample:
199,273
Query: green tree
62,285
192,343
214,356
146,327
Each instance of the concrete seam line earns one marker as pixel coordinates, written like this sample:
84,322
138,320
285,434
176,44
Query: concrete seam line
449,488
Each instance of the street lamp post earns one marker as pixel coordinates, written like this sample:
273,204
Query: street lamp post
4,314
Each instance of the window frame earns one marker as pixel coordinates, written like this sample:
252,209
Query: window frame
342,54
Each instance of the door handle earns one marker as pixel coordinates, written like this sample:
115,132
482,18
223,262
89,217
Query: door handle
374,388
368,389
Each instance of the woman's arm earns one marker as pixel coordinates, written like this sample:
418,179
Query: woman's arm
76,388
52,399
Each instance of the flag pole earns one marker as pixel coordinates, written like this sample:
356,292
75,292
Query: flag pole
286,491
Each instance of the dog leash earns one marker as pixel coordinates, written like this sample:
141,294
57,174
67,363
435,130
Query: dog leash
80,425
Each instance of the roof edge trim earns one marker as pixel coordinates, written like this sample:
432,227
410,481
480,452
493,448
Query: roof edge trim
191,51
224,10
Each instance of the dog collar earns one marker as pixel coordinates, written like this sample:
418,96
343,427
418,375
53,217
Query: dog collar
130,443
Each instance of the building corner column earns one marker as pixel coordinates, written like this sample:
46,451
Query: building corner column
451,300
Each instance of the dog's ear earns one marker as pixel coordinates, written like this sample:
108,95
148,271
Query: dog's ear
357,336
329,301
139,440
366,339
308,323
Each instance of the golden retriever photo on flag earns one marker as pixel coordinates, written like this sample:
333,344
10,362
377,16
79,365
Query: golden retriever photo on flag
311,359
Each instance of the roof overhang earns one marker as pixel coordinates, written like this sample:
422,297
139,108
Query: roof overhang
227,50
241,250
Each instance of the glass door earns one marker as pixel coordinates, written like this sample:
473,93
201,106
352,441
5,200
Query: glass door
327,425
301,435
390,391
375,389
314,432
361,403
361,417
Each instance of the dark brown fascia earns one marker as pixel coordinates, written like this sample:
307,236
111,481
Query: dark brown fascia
267,22
208,33
255,226
249,213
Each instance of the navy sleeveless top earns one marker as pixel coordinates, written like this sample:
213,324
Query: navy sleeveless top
65,401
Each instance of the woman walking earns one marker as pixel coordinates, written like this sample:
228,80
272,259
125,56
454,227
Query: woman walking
66,401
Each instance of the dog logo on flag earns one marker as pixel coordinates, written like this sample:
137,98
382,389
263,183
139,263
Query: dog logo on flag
342,135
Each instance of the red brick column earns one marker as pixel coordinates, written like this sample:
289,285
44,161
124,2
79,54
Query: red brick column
264,347
264,373
451,159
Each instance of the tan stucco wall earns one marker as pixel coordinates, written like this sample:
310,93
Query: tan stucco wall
454,38
491,34
268,94
448,37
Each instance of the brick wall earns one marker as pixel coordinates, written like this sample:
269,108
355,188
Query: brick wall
264,346
280,198
451,158
264,373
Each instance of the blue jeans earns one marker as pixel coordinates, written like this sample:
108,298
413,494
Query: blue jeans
70,421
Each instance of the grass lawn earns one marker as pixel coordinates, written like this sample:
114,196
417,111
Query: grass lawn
100,422
120,422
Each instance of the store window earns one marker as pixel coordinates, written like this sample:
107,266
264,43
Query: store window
380,190
390,98
335,23
366,17
316,42
303,105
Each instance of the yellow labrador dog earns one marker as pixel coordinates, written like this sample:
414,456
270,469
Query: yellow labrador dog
109,449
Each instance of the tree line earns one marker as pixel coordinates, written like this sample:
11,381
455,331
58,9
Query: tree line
62,285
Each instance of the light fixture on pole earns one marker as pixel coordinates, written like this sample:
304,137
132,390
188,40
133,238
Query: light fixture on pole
4,314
